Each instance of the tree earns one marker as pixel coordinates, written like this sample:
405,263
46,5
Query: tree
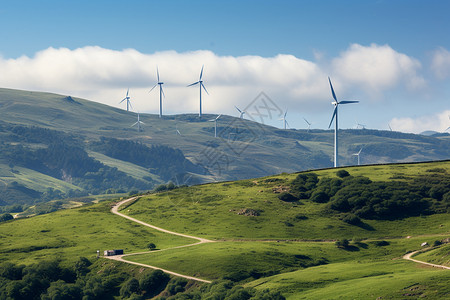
6,217
151,246
342,173
131,286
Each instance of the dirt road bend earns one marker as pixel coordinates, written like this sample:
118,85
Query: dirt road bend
115,210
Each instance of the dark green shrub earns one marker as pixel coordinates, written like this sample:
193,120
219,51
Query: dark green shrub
342,173
381,243
351,219
287,197
319,197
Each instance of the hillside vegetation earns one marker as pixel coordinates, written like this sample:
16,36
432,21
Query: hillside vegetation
267,244
55,146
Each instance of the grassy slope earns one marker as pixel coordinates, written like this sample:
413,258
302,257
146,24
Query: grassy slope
362,271
211,210
258,150
440,256
69,234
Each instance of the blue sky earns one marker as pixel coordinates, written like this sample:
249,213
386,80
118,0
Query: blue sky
393,56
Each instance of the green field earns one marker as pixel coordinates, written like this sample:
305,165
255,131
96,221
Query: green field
260,241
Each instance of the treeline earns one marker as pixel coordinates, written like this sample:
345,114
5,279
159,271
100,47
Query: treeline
62,156
360,197
47,280
161,160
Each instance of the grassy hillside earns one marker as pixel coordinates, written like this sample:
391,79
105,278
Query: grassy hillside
244,149
251,209
295,248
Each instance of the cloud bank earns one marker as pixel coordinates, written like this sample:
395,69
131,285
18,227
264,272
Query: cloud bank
104,75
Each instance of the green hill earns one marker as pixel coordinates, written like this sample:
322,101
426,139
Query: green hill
301,248
54,146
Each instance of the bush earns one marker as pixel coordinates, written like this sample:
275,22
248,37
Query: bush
131,286
319,197
382,243
437,243
287,197
6,217
342,173
351,219
342,243
151,246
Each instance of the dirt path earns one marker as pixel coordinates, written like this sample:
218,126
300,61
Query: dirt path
115,210
408,257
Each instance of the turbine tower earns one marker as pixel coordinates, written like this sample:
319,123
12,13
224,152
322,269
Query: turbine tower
138,123
200,83
336,104
127,98
357,154
215,124
161,92
284,120
309,124
241,113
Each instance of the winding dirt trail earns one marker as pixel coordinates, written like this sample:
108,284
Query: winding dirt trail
408,257
115,210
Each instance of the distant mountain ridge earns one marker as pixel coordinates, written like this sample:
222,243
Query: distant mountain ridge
57,146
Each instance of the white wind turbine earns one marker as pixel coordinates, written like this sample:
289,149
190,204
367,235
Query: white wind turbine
357,154
309,124
161,92
336,104
285,122
200,83
215,124
241,113
138,123
127,98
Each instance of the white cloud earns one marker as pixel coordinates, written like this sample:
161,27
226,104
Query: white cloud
377,68
440,64
103,75
437,122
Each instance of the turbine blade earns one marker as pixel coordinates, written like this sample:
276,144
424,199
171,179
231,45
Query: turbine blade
238,109
122,100
157,73
162,90
334,114
128,91
332,90
134,124
152,88
306,121
287,124
204,87
194,83
347,102
201,73
218,116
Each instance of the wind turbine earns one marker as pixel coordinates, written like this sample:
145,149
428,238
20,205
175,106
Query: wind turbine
127,98
336,104
138,123
215,124
309,124
390,128
161,92
241,113
357,154
200,83
284,119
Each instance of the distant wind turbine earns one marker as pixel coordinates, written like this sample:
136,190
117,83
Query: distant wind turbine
138,123
200,83
241,113
285,122
359,125
309,124
336,104
127,98
390,128
161,92
215,124
357,154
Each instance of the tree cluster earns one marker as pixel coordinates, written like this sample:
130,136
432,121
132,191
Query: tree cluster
360,197
161,160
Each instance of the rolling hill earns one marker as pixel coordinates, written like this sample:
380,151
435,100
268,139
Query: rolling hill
303,248
56,146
